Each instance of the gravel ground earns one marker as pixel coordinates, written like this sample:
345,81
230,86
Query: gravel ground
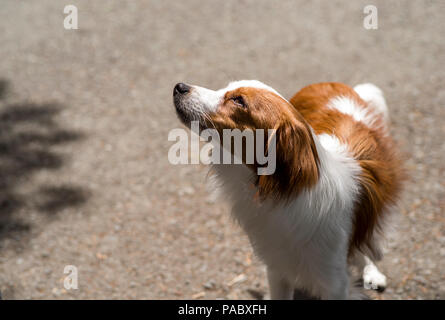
84,119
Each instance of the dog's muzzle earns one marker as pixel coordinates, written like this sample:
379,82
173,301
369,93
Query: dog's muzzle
180,92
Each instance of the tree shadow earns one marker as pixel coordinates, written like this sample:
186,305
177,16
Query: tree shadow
29,135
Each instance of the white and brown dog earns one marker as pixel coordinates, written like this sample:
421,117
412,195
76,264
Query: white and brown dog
337,176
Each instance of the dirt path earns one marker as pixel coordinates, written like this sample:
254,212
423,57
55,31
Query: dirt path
84,119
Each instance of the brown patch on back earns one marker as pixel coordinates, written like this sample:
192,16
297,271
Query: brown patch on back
382,173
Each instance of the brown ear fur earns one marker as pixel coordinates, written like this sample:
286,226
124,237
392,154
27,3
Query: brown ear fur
296,162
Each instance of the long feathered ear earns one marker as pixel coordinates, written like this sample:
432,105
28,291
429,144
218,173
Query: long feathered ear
296,162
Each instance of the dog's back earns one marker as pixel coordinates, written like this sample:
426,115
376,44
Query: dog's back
361,124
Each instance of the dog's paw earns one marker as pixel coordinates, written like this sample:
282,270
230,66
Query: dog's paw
374,279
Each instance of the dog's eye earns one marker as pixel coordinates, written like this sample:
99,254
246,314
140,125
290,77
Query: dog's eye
239,101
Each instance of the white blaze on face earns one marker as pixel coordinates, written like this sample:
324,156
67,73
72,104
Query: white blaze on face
250,84
203,100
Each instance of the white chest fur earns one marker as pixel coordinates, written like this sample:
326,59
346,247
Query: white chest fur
305,232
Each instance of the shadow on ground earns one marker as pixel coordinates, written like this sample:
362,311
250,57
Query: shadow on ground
29,134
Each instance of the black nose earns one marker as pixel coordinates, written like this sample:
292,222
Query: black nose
181,88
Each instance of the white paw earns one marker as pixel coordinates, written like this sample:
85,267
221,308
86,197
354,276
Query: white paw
373,279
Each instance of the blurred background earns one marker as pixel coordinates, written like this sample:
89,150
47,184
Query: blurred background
85,115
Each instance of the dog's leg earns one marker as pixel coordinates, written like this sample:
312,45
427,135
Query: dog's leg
329,269
372,277
280,287
337,284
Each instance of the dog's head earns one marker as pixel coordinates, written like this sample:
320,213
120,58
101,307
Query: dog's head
252,105
241,105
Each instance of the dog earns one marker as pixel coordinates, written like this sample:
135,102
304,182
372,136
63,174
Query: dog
337,179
